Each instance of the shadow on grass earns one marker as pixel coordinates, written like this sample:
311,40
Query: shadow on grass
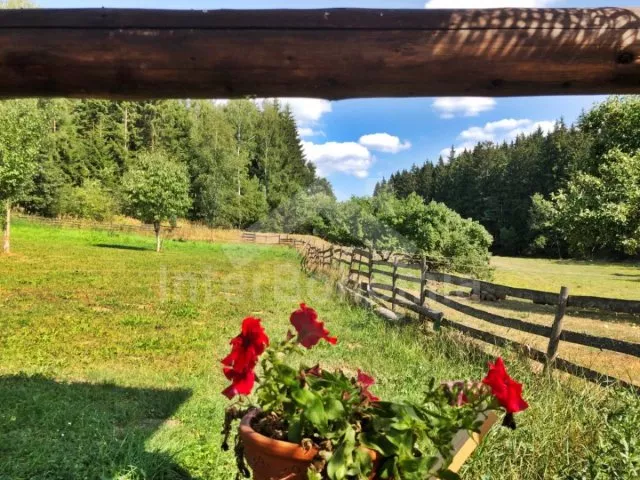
55,430
122,247
628,275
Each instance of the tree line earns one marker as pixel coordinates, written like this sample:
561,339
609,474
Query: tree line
71,157
574,191
239,164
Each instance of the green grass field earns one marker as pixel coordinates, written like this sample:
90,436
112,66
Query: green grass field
600,279
109,362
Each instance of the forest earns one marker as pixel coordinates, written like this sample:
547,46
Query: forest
574,191
242,159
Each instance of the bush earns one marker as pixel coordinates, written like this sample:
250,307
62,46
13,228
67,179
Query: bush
91,201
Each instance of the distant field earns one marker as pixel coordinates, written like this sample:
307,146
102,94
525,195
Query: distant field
602,279
109,360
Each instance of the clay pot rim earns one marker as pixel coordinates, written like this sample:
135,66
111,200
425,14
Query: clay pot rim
276,448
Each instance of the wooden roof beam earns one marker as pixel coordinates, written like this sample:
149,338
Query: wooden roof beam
332,53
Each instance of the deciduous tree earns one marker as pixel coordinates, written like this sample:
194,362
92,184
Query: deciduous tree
20,136
156,190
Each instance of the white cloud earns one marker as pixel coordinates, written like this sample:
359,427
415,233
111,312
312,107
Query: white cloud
499,131
306,111
349,158
487,3
383,142
309,132
449,107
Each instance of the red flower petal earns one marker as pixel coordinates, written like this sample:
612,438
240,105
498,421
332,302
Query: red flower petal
245,350
242,384
310,329
364,381
315,371
505,389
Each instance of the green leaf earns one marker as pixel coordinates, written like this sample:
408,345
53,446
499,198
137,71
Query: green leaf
333,408
314,412
295,430
303,397
340,461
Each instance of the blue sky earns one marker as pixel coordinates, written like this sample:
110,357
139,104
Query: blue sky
355,143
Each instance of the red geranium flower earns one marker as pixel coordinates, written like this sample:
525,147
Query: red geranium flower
315,371
364,381
241,382
245,350
310,329
505,389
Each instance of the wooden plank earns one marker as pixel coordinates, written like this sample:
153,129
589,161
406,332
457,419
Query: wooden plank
135,54
382,286
604,343
362,253
382,272
420,310
496,289
400,265
408,278
490,317
407,295
464,443
600,303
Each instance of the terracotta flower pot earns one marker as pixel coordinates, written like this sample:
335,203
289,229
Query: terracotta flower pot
271,459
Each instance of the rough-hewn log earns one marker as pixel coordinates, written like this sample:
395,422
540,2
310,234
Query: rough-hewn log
420,310
381,272
536,296
556,328
499,320
600,303
318,53
408,278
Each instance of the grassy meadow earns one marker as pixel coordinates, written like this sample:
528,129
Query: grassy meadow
109,363
595,278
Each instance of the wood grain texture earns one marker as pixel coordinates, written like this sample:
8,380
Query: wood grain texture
333,54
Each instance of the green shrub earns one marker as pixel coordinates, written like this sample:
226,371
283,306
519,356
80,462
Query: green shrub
91,201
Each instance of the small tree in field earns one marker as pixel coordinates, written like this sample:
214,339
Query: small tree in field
155,190
20,136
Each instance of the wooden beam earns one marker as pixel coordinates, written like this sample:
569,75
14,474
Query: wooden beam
331,54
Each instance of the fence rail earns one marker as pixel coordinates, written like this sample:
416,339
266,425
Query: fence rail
362,264
107,226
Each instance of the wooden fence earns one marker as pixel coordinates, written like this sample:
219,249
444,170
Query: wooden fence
362,265
105,226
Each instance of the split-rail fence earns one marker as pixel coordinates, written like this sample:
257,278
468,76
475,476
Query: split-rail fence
376,282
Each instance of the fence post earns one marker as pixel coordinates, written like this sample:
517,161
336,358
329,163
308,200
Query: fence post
350,266
394,279
331,257
423,285
556,329
370,267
